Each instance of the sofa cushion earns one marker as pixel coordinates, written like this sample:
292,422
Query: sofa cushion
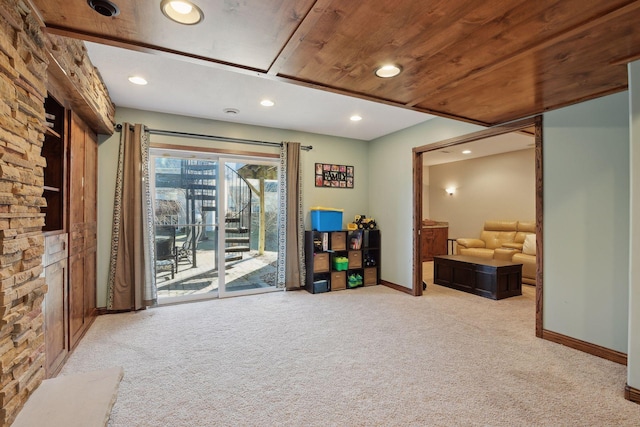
501,225
495,239
524,228
477,252
470,243
528,267
529,246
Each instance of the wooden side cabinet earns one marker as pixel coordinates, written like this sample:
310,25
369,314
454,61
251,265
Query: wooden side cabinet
433,242
70,188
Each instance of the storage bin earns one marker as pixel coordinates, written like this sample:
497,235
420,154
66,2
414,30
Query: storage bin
338,280
320,286
370,276
340,263
320,262
355,259
326,219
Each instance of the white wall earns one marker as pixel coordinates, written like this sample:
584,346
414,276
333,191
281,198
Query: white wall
391,190
326,149
633,354
498,187
586,221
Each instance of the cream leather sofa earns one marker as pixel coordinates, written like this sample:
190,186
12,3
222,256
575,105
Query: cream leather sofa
507,240
528,259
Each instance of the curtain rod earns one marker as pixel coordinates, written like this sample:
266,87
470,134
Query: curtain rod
215,138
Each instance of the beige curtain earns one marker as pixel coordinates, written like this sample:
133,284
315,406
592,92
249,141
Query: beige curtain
290,268
131,273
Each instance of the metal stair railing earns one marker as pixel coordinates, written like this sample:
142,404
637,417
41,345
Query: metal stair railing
238,216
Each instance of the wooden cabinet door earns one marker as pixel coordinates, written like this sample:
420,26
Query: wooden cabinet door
433,242
76,184
426,244
90,187
89,284
55,315
90,222
440,237
83,164
76,298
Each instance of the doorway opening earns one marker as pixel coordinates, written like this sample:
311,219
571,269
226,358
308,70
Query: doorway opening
532,126
216,222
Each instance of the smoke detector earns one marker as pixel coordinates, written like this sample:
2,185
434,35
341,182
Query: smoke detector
104,7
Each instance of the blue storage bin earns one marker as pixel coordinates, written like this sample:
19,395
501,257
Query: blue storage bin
326,219
320,286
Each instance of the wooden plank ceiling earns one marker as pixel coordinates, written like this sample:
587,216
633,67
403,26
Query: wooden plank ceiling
483,61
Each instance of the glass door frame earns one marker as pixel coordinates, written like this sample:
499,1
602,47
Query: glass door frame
222,200
221,159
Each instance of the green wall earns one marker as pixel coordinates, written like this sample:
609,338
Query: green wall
326,149
391,190
586,221
633,355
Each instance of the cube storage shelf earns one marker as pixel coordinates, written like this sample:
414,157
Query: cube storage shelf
326,252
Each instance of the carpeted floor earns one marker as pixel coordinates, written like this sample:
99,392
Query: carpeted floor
363,357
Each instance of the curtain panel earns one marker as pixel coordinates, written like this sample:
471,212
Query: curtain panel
290,267
131,284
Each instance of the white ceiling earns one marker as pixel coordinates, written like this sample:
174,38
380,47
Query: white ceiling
484,147
199,90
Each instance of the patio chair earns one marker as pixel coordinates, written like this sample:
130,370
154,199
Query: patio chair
193,232
166,253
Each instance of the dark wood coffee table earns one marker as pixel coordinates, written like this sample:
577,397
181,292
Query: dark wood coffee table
489,278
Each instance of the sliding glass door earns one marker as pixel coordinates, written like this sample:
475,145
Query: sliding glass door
216,222
249,216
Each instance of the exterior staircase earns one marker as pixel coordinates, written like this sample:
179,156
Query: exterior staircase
198,180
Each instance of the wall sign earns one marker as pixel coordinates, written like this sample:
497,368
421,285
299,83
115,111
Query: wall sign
335,176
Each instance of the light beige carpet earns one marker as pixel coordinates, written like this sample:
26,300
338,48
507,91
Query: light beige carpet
363,357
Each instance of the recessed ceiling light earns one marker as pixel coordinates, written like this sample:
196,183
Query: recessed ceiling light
182,11
355,118
267,103
231,111
137,80
388,70
104,7
466,152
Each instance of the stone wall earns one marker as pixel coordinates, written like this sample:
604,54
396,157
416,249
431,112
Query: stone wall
83,85
25,55
23,68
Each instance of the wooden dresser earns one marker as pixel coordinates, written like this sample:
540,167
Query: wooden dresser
433,240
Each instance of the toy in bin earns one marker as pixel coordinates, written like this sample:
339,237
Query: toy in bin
369,261
340,263
354,281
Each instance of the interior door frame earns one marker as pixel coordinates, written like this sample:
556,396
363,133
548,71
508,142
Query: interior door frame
517,126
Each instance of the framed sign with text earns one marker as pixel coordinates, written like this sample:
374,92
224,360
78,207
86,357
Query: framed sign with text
334,176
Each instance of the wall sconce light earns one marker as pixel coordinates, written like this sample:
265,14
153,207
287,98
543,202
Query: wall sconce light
450,191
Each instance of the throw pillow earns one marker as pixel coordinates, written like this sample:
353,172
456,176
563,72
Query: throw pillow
529,246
